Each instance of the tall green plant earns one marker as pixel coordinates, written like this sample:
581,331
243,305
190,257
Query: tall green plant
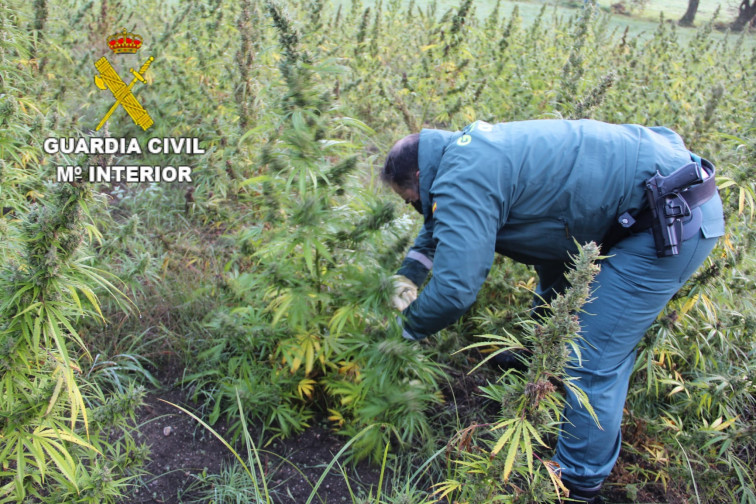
310,329
56,413
496,462
47,418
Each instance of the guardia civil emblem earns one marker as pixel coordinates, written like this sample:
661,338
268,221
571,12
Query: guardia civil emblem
123,43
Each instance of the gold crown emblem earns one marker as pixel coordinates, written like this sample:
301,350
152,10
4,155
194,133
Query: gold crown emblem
124,42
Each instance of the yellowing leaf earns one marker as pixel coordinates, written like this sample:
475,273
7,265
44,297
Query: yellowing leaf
295,364
447,487
723,425
741,201
675,390
336,416
512,452
350,369
428,47
689,304
55,394
553,470
305,388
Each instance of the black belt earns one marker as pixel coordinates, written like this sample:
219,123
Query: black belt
695,196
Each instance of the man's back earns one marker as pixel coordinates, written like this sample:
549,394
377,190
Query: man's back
551,181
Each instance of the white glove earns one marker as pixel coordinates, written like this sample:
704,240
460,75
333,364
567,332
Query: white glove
405,291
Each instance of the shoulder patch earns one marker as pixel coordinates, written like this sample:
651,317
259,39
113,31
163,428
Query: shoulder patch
433,210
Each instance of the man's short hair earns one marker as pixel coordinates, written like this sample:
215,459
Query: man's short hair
401,163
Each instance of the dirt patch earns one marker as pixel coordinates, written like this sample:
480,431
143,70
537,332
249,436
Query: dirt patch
180,449
183,453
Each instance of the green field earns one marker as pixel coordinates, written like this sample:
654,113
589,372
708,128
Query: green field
232,338
640,22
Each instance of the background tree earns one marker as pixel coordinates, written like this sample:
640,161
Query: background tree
690,14
746,14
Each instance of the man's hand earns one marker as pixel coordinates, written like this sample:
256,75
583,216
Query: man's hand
405,291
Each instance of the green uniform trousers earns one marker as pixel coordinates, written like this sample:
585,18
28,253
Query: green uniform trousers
630,291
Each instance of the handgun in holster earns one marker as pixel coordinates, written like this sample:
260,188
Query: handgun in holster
669,206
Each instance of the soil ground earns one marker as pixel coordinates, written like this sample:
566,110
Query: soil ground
183,453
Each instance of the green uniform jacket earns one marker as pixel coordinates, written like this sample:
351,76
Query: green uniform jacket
527,190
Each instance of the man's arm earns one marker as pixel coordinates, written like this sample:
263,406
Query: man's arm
465,225
419,260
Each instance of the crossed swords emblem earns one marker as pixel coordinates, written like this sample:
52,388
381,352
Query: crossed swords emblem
108,78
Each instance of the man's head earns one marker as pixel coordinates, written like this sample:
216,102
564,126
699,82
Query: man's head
402,172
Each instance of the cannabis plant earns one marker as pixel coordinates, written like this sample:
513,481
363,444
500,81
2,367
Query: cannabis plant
311,330
56,421
52,427
507,460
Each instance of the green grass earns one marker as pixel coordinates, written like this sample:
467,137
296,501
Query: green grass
641,24
674,9
222,282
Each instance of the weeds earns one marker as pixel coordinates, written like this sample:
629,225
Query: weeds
53,435
531,404
270,273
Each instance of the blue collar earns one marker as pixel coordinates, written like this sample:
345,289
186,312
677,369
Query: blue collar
430,150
